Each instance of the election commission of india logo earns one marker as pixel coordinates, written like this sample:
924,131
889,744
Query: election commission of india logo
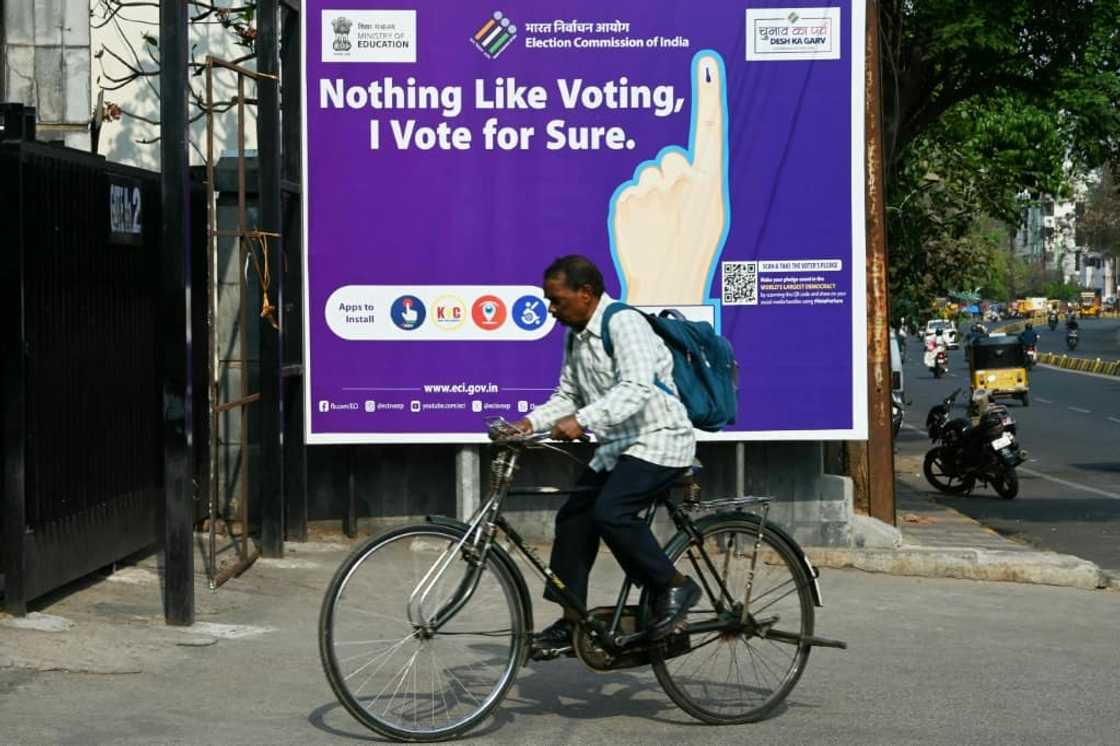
341,26
495,35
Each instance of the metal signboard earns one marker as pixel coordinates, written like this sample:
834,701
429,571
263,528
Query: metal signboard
707,156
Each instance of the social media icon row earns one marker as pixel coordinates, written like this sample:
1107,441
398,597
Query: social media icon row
449,312
370,406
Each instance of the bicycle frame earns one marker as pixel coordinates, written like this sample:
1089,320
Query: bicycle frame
480,534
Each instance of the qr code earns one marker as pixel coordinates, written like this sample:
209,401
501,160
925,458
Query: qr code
740,283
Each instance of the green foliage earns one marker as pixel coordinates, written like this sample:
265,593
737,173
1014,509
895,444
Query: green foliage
985,104
1061,291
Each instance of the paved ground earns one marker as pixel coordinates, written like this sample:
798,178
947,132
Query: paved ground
931,661
1070,488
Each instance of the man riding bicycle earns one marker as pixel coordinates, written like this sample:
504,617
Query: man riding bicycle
645,440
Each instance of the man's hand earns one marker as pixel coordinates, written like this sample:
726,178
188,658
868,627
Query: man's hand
523,426
668,224
567,429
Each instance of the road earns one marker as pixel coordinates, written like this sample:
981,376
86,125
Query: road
930,661
1099,338
1069,499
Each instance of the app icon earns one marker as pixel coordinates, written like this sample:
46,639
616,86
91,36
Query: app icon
476,406
415,406
371,406
408,312
448,311
489,312
529,312
324,405
522,406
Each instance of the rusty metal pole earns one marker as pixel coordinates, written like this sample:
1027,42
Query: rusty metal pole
880,446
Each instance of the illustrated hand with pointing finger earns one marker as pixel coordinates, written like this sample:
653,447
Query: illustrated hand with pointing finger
668,224
409,314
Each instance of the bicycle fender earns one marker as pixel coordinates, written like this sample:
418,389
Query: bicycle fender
681,538
503,556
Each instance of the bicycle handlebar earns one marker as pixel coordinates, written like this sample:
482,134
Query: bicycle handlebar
500,430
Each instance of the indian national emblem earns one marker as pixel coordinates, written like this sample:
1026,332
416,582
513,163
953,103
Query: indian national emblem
341,27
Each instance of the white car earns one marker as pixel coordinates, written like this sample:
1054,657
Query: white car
948,331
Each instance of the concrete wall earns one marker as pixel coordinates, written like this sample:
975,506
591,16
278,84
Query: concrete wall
400,484
45,55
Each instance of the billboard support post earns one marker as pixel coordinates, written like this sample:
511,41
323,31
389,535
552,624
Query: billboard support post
880,451
468,482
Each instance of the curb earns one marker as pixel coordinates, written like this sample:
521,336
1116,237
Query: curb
1081,364
1043,568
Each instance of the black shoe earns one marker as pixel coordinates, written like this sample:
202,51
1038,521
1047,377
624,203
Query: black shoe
670,609
552,642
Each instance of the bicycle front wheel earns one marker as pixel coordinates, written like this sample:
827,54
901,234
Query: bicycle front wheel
390,672
740,673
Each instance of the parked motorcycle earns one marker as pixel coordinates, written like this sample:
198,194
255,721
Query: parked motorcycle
896,412
1072,338
964,454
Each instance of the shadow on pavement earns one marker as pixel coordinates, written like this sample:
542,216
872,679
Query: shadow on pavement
576,694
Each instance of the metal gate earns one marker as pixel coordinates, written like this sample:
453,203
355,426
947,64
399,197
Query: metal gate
81,399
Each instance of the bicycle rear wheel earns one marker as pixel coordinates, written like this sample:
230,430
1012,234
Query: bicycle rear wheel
739,676
392,675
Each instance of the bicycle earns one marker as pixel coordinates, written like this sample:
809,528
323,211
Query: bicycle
424,628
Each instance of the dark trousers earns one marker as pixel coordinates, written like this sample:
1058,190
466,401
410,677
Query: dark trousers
610,511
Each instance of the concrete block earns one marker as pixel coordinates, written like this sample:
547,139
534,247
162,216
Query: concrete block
1044,568
872,533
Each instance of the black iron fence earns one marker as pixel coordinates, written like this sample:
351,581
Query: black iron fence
79,331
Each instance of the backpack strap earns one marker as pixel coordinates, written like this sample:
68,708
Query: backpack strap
608,345
605,330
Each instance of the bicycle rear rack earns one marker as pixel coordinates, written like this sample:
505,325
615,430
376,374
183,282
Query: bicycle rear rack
726,503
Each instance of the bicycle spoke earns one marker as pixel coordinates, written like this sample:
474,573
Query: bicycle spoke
714,680
418,687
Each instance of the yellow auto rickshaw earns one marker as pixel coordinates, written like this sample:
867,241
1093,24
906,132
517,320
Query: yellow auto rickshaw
999,364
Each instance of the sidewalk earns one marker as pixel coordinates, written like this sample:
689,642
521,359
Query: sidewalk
937,541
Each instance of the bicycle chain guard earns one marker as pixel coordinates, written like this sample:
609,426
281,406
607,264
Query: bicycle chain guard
595,657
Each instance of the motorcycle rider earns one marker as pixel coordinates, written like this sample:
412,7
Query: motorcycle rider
1029,337
1071,331
934,345
1052,319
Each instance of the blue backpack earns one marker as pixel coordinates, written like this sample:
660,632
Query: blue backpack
704,366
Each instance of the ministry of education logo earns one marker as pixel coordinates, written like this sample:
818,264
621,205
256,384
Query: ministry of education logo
341,26
495,35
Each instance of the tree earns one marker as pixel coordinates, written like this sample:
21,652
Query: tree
135,64
1101,221
984,103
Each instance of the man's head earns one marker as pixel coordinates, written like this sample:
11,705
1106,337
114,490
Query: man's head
573,285
1029,326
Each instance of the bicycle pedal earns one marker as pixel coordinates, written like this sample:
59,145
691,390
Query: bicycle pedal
550,654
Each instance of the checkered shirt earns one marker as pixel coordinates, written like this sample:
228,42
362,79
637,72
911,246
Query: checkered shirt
616,398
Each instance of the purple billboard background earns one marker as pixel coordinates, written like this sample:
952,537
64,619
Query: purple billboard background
495,218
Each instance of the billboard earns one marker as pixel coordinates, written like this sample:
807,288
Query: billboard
707,156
